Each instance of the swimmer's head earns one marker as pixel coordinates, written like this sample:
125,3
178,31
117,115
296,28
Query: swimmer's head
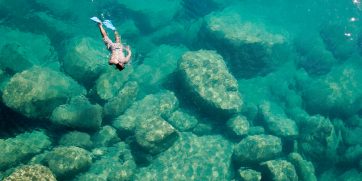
120,67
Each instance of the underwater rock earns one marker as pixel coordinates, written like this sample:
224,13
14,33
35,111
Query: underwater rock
277,122
247,45
110,82
304,168
238,125
336,41
66,162
338,94
62,8
161,104
152,15
206,75
85,59
156,68
26,49
106,136
37,91
4,79
182,121
199,158
154,134
246,174
257,148
318,140
18,149
280,170
116,163
31,172
125,98
353,135
353,154
78,113
76,138
314,57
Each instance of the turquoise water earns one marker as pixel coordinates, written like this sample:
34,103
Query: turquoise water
215,90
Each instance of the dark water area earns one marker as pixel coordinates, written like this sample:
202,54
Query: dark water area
215,90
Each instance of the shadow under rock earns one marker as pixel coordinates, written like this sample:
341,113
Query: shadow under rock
13,123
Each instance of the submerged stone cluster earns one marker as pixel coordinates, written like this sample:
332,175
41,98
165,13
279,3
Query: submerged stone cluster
214,91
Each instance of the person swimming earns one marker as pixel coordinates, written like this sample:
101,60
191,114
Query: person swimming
116,48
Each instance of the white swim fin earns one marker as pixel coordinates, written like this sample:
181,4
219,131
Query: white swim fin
95,19
109,25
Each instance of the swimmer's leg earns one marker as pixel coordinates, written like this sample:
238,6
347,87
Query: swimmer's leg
117,37
103,32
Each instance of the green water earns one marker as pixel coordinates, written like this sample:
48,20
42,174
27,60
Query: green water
215,90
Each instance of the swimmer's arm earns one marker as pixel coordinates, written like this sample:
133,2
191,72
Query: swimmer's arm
103,32
129,54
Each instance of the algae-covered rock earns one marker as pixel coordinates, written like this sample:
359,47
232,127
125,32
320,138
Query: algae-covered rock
280,170
206,75
238,125
199,158
182,121
110,82
79,113
22,50
116,163
155,14
31,173
76,138
22,147
37,91
154,134
106,136
339,93
249,44
65,162
318,140
304,168
157,66
258,148
85,59
117,105
161,104
247,174
276,121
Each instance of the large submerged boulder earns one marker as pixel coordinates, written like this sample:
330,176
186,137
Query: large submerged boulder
19,149
85,59
248,44
152,15
145,120
157,66
257,148
276,121
22,50
31,172
37,91
115,162
65,162
205,74
79,113
338,94
200,158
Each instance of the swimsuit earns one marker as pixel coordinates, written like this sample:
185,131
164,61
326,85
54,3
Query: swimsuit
116,49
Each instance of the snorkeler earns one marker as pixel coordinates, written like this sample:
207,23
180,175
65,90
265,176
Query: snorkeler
117,57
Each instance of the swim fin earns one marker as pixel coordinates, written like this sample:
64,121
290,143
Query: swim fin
109,25
95,19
